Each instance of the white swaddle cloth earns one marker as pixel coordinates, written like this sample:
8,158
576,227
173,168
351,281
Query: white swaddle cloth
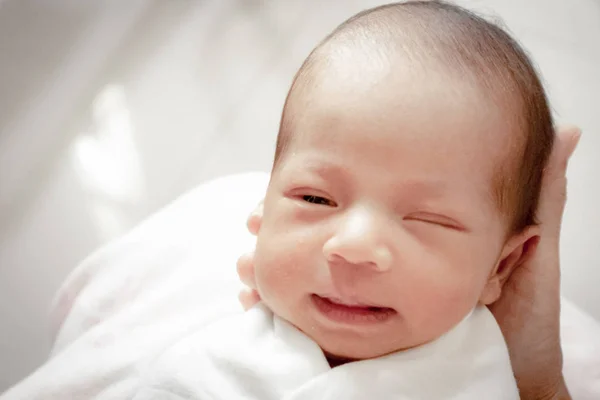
258,355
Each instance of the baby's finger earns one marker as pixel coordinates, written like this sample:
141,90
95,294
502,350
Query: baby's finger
255,219
245,270
248,298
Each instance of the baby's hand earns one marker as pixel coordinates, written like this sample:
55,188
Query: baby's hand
245,265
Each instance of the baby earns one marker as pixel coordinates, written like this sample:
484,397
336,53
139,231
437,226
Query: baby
405,182
403,193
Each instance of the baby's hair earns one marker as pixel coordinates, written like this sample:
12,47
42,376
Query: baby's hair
466,47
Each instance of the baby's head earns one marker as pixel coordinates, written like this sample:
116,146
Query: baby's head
406,178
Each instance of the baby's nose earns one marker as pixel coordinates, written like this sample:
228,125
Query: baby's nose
360,240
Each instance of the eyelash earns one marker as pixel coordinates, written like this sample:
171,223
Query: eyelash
318,200
433,222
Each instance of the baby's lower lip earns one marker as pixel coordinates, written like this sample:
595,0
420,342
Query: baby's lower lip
351,314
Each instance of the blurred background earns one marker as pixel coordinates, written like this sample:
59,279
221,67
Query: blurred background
110,109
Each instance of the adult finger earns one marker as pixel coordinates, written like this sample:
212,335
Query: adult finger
553,194
567,137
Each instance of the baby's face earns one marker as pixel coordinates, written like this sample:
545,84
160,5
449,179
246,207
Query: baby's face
380,228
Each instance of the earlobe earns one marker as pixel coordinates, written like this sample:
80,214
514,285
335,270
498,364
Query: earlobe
516,251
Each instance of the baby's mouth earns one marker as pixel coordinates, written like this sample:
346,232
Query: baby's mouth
349,311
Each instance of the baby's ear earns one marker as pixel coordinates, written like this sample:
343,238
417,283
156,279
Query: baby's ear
517,250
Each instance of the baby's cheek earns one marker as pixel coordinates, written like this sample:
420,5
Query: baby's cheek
276,270
272,277
266,270
440,303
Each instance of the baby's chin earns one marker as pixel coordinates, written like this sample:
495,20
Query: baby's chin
343,348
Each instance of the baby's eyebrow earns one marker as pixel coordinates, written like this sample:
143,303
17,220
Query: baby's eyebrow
431,188
326,170
331,171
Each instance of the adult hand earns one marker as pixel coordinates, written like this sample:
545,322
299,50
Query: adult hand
528,311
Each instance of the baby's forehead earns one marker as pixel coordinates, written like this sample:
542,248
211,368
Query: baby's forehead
433,45
399,99
396,95
385,118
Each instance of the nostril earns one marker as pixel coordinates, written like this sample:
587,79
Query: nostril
336,259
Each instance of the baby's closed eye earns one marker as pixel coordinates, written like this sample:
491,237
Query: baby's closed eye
435,219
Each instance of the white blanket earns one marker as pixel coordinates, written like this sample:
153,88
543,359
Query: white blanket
259,356
128,309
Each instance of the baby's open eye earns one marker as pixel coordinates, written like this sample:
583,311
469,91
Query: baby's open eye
318,200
